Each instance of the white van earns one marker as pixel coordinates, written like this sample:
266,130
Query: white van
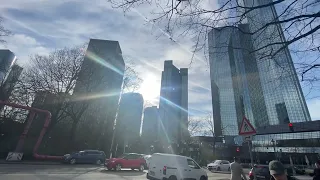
174,167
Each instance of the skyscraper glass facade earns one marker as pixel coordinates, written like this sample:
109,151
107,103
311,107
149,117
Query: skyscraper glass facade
266,90
278,77
221,76
173,105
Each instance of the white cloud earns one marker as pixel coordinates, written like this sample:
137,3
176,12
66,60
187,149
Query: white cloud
23,46
314,107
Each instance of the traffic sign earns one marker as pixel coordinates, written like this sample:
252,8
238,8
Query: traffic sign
246,128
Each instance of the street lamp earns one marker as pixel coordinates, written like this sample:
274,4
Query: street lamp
274,147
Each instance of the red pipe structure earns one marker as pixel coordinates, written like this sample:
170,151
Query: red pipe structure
23,136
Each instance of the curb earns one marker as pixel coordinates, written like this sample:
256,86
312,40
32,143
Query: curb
221,172
31,162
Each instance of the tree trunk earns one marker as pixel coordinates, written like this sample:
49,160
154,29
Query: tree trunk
72,136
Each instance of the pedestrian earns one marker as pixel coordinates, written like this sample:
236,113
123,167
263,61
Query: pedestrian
236,170
316,171
278,171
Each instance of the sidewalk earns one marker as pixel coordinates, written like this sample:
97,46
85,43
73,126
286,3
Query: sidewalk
30,162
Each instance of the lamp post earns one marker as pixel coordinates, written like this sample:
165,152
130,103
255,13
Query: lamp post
274,148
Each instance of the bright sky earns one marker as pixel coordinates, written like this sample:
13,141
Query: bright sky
41,26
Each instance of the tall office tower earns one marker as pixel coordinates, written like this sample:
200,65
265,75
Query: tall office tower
284,98
11,80
99,85
235,83
266,91
150,125
173,105
128,120
7,59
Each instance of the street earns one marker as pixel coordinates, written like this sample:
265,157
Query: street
76,172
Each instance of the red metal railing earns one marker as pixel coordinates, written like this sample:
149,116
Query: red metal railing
23,136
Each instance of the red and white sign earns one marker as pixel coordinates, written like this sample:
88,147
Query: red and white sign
246,128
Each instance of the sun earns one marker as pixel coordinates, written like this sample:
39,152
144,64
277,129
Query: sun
150,88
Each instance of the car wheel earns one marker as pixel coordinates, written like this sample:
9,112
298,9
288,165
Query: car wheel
98,162
73,161
203,178
141,167
172,178
218,169
118,167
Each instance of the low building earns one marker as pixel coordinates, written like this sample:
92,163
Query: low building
300,141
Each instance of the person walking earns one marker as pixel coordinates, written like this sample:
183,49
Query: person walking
316,171
278,171
236,170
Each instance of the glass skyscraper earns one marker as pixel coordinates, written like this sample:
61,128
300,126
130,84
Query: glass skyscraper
279,80
264,89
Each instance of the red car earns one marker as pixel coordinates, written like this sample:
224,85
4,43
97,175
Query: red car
131,160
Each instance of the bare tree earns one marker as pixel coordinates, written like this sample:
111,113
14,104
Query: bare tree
56,74
195,126
131,79
292,24
3,31
208,125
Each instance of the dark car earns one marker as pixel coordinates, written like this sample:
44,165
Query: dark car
131,160
85,157
261,172
296,169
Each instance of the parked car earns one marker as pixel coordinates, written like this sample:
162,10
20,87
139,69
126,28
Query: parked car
130,160
296,169
219,165
147,158
86,156
261,172
173,167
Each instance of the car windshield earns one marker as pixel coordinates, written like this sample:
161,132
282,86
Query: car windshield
216,162
147,156
123,156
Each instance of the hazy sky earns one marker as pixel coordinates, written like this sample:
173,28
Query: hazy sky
40,26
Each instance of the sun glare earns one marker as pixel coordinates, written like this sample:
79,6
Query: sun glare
150,88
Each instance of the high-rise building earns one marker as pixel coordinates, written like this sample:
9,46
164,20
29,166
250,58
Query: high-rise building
235,83
245,84
7,59
173,105
128,120
99,85
278,77
7,87
150,124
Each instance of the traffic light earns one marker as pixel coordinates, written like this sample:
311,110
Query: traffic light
238,149
291,127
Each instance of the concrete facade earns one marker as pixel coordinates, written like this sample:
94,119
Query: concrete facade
173,106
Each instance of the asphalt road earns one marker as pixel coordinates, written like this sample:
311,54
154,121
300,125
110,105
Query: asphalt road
76,172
